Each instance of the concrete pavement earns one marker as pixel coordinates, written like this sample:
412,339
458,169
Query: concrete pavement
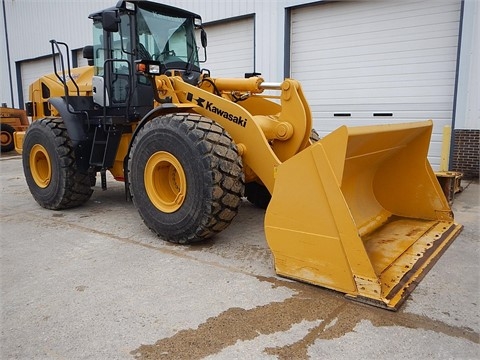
95,283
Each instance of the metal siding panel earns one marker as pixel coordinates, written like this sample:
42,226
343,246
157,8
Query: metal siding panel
31,24
377,57
65,20
215,10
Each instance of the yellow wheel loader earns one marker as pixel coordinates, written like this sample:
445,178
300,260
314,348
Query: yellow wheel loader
11,120
359,211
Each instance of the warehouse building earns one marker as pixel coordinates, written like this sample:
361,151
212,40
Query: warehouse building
359,62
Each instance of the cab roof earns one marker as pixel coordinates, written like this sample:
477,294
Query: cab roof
151,6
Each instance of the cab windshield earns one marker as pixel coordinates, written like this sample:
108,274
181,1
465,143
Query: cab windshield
168,39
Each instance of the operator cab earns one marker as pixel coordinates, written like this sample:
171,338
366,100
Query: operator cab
160,36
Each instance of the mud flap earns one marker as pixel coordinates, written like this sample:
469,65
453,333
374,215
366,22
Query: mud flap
361,212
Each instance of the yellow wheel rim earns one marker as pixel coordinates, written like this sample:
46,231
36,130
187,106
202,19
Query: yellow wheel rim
40,166
165,182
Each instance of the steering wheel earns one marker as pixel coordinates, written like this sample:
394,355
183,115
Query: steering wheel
165,54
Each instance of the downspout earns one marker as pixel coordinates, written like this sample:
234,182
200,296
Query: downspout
455,93
254,43
286,44
8,54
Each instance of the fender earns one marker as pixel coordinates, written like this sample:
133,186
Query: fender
73,121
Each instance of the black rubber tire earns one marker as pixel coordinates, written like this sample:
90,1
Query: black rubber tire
92,175
7,138
65,187
258,194
214,179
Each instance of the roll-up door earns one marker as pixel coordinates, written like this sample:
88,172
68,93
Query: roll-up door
372,62
230,50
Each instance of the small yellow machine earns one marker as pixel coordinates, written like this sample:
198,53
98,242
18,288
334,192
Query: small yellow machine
359,211
11,120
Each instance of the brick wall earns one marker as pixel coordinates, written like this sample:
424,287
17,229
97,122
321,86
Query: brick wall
466,153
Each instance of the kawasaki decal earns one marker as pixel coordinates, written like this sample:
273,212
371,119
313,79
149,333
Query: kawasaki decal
207,105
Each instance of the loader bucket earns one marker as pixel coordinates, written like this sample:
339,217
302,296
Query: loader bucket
361,212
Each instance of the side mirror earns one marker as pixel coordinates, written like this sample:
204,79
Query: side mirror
88,54
110,21
203,38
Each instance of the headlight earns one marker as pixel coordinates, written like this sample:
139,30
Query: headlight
148,67
154,69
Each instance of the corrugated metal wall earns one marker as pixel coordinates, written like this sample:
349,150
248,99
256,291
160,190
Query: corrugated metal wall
31,23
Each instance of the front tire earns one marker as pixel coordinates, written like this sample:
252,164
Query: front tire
50,168
186,177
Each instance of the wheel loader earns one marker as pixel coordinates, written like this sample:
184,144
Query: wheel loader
11,120
359,211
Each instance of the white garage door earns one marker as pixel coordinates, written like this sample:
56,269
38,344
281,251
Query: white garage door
230,49
372,62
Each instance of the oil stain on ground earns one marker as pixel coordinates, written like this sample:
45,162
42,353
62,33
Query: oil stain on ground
338,317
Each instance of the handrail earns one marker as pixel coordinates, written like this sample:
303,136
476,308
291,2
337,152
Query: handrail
55,44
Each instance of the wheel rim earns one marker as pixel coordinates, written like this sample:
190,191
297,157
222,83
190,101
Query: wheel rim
165,182
40,166
6,138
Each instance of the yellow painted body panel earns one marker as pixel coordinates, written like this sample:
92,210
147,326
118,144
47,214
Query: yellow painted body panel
117,169
83,78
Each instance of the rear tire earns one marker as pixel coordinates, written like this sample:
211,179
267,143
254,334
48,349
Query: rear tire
50,168
186,177
7,137
257,194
